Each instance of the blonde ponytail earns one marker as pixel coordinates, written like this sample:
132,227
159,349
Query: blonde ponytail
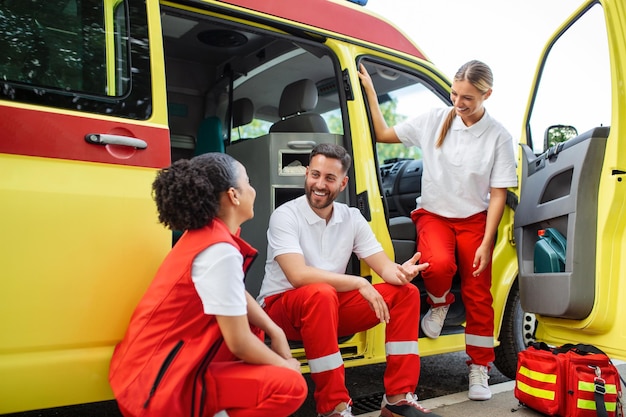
446,126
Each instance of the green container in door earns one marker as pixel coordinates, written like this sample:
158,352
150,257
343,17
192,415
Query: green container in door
550,251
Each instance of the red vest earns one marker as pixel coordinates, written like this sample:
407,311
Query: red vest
159,368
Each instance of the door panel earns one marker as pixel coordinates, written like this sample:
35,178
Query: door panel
559,190
81,240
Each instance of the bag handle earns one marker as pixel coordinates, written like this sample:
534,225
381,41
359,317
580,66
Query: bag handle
580,348
541,346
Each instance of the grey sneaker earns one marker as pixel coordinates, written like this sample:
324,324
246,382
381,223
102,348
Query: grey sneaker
432,323
478,386
406,407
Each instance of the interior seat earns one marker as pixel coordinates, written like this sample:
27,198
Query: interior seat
296,101
243,112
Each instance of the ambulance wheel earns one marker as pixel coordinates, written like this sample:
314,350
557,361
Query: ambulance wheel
518,330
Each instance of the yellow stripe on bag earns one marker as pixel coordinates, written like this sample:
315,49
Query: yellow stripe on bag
590,387
537,376
536,392
591,405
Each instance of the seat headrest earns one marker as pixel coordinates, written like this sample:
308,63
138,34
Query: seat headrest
297,97
243,112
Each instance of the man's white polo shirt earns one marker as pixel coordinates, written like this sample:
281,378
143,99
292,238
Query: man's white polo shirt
295,228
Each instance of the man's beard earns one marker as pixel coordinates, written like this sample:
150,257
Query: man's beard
328,199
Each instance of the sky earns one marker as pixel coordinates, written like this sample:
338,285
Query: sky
508,35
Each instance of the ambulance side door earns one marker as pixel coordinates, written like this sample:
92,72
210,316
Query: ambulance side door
83,127
571,172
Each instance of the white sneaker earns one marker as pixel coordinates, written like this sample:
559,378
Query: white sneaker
432,323
478,386
347,412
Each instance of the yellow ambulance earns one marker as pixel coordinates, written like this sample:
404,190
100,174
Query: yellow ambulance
570,224
96,95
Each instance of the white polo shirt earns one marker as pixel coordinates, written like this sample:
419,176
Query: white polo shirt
217,274
295,228
458,175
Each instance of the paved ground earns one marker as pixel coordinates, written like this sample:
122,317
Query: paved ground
502,404
440,376
442,388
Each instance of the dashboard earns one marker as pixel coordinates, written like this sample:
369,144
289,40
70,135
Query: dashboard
401,185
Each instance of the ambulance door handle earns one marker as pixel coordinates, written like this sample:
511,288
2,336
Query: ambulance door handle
106,139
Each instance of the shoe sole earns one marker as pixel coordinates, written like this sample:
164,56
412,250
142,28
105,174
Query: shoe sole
479,397
428,333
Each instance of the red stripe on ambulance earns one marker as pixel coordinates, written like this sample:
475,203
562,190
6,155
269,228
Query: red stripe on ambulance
55,135
338,18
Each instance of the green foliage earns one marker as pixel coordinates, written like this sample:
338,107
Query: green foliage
388,151
252,130
334,123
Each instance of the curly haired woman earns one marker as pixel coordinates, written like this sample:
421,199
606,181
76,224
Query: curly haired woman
194,345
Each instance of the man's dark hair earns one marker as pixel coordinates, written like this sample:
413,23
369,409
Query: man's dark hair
187,193
331,150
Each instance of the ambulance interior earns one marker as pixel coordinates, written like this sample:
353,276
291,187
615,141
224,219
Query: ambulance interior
263,97
267,98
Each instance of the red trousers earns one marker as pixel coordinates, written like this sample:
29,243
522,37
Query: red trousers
449,245
257,390
317,315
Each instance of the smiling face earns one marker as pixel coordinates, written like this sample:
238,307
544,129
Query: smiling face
324,180
468,101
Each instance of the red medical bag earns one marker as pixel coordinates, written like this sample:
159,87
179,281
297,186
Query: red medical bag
568,381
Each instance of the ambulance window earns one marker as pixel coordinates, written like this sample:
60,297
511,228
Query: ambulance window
334,121
56,44
402,95
575,83
74,54
122,63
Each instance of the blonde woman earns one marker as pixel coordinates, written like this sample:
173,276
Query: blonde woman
469,163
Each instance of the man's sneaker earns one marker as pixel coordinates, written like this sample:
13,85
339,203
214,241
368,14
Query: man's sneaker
406,407
344,413
432,323
478,386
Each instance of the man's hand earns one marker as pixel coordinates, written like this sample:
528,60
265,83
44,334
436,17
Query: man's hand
393,273
375,300
405,273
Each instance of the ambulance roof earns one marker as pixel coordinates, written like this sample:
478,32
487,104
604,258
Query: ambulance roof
338,16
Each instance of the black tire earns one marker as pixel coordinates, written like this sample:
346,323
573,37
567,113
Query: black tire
518,330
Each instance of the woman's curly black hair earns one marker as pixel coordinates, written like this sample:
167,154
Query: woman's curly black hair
187,193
